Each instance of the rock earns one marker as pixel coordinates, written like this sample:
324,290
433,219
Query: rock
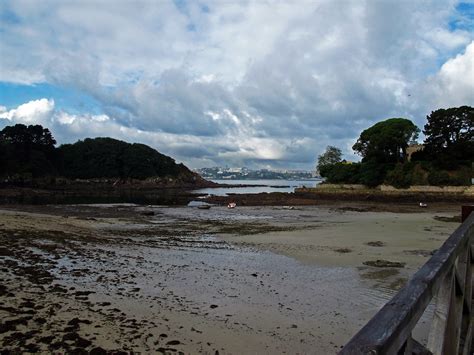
453,219
83,293
148,213
10,325
75,323
32,348
40,320
27,304
70,336
383,263
47,339
377,243
343,250
98,351
58,289
82,342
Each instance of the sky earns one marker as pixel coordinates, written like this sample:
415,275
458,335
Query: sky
262,84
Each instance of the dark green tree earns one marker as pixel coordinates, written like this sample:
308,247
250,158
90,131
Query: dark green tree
386,141
27,150
30,136
450,135
331,156
111,158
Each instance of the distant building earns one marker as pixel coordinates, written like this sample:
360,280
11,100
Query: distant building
412,148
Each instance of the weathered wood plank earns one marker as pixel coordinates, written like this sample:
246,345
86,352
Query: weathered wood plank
451,342
407,348
466,326
468,284
440,316
466,346
419,349
389,329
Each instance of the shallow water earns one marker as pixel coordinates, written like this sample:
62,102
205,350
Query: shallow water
234,294
268,186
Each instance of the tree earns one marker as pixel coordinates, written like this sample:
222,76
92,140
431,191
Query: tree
450,134
32,135
111,158
331,156
386,141
27,150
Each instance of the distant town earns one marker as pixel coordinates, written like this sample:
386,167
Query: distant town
248,174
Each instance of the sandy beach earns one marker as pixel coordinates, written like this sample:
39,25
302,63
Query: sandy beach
155,279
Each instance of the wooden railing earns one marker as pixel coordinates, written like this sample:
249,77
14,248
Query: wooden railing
447,278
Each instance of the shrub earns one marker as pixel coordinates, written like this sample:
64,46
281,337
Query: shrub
342,173
400,176
439,178
372,173
419,175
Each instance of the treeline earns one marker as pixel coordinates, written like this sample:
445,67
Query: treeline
444,158
29,152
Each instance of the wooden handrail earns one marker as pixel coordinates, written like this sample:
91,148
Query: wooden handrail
447,277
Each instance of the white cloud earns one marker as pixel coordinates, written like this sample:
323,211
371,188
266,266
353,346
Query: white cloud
33,112
453,84
256,82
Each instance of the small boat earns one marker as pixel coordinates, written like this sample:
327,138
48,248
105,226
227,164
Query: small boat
204,207
423,205
232,205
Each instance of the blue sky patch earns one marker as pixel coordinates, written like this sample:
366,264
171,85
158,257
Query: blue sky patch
74,101
8,17
464,18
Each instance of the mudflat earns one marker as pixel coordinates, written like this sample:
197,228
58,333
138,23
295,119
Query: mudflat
123,277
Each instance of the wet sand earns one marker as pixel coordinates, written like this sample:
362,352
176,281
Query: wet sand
248,280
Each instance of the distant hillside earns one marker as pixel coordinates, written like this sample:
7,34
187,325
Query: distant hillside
248,174
111,158
28,152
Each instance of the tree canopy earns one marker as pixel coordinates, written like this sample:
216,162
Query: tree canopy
386,141
450,134
32,135
445,160
27,150
30,152
332,155
109,158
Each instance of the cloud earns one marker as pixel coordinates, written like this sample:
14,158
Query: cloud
33,112
256,83
453,85
238,147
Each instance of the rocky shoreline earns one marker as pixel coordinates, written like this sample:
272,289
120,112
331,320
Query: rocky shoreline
162,191
380,202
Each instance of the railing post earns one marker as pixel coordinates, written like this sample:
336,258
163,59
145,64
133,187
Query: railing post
437,335
466,210
448,275
466,325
